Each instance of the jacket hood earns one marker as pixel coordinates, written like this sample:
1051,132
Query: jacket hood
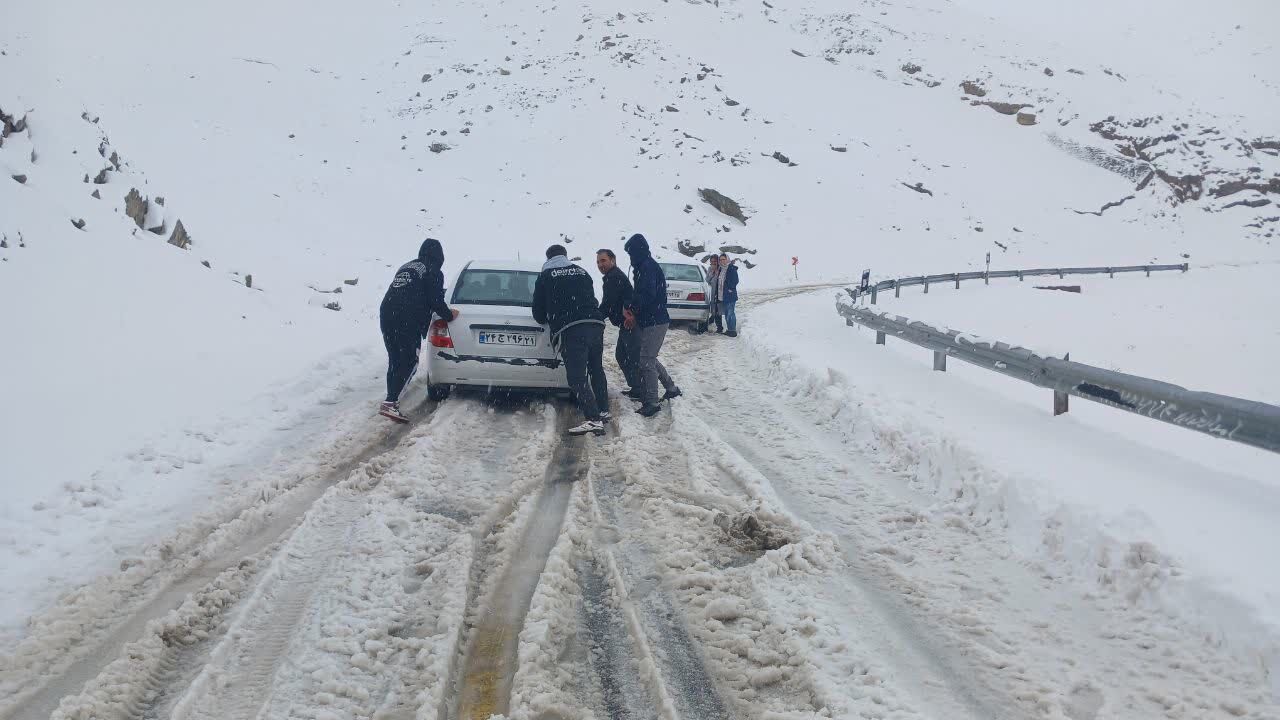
559,261
431,252
637,247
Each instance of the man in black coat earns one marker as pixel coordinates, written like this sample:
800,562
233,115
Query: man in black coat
415,294
564,299
617,295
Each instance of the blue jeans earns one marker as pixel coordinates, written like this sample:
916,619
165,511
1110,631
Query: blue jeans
731,315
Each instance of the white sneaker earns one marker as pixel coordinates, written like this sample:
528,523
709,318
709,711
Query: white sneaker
391,411
590,426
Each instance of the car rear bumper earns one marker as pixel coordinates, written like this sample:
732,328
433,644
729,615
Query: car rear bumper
446,366
697,312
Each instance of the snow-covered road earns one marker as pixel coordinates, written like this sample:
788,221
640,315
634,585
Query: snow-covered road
739,556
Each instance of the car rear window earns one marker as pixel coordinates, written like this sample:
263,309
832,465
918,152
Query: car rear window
495,287
682,273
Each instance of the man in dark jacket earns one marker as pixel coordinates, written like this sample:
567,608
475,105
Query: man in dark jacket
415,294
646,314
564,299
617,295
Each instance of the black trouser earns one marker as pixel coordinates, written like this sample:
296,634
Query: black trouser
715,316
582,348
623,353
403,343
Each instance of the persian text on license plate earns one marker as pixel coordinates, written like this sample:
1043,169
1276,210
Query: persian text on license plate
506,338
675,295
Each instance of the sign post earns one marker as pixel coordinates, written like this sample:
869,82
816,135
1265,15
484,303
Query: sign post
795,263
986,279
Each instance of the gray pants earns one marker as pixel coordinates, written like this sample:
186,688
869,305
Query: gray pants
645,345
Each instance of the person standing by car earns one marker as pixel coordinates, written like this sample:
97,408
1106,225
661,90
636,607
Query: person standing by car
713,282
728,293
405,316
564,299
646,314
617,295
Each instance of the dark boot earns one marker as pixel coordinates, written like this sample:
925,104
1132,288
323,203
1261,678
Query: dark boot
649,410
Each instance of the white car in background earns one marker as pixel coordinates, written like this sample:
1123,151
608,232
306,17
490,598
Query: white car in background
495,342
688,294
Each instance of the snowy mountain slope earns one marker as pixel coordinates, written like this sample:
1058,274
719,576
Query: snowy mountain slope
311,144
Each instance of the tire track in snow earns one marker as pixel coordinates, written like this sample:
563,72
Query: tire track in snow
934,677
298,610
239,678
498,610
43,698
681,683
612,641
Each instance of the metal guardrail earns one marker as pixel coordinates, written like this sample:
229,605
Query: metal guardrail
1243,421
926,280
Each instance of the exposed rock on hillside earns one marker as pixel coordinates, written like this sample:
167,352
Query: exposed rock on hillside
723,203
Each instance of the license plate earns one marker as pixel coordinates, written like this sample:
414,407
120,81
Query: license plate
505,338
675,295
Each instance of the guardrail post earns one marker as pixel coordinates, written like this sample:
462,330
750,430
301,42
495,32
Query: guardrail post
1019,276
1111,273
1060,275
1185,266
879,337
1148,267
897,289
926,288
986,278
957,281
873,295
939,361
1061,399
1059,403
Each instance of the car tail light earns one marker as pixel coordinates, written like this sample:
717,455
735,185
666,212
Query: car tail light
439,336
699,297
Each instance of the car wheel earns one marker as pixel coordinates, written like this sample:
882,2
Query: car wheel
438,392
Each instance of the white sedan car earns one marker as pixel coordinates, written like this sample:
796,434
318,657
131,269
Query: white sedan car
688,294
495,342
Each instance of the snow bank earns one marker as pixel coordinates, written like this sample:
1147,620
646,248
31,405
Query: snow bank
1144,518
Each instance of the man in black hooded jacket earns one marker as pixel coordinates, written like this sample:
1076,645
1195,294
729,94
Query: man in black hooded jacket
564,299
646,315
415,294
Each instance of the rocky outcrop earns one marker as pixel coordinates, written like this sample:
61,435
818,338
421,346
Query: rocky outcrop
136,206
723,203
1178,155
1004,108
10,124
688,249
180,238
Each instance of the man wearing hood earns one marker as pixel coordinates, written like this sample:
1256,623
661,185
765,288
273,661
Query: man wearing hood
646,314
564,299
415,294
